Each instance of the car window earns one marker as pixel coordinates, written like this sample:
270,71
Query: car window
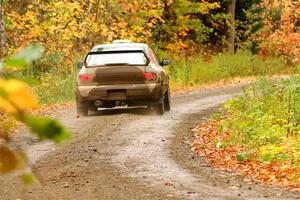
116,58
153,57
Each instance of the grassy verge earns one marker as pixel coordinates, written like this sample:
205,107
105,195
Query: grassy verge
267,118
259,134
53,88
55,84
194,71
56,87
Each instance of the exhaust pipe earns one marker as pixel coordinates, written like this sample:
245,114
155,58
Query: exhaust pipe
120,103
98,103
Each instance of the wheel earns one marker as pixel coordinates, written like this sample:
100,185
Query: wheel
82,108
167,101
160,107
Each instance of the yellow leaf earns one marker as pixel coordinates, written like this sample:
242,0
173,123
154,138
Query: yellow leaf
16,95
10,160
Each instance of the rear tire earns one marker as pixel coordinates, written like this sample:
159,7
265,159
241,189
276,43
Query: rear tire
167,101
82,108
160,108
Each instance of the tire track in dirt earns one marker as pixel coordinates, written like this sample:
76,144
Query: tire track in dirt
131,154
147,156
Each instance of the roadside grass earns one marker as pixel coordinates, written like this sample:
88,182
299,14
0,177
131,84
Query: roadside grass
267,118
54,82
258,133
52,87
194,71
56,87
6,123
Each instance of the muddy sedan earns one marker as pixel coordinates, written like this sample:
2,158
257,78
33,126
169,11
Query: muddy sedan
122,74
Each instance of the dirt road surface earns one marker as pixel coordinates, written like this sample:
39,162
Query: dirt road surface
132,154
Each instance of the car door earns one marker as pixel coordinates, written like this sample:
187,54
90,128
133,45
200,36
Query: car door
163,74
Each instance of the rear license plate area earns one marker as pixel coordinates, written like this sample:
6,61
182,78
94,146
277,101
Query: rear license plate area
116,94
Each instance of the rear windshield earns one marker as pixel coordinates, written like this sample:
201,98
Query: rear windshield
116,58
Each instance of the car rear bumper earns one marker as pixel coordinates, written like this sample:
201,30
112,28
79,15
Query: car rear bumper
120,92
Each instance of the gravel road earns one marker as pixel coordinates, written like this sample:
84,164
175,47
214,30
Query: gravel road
133,154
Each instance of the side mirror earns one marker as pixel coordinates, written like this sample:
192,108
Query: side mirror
165,62
79,65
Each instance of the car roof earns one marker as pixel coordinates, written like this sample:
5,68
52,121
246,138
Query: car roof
120,47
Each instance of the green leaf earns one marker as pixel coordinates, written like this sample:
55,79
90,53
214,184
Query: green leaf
30,53
28,178
47,129
282,156
243,157
269,157
15,62
1,66
221,145
25,56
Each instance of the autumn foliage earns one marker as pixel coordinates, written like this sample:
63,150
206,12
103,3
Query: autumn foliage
198,29
208,144
16,98
279,34
258,135
68,28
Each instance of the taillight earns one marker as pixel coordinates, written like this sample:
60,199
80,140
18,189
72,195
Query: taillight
150,76
85,77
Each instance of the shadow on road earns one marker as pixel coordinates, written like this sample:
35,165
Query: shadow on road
117,111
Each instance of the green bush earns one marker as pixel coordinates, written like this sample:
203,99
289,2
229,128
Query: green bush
192,71
57,86
54,83
267,118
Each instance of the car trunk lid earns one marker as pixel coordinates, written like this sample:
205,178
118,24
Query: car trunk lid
117,66
119,74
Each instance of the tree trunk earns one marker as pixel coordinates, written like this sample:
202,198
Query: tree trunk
3,36
280,13
231,31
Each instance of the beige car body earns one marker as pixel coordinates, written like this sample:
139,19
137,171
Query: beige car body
118,85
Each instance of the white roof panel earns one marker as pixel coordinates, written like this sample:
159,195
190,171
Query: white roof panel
119,46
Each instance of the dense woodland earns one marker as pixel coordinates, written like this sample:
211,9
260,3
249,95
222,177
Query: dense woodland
208,40
68,28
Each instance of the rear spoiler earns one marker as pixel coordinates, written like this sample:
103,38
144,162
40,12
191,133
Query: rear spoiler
117,51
